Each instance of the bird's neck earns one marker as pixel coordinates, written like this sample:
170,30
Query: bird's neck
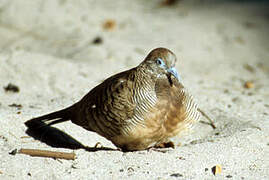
144,94
145,77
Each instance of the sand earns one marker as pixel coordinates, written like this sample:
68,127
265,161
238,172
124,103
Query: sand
47,49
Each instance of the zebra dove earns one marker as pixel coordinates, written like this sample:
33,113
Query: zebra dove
135,109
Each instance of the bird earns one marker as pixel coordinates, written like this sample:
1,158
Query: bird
136,109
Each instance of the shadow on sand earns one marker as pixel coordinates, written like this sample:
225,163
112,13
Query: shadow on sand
57,138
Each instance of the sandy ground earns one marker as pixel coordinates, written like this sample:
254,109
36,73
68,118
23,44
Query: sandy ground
47,50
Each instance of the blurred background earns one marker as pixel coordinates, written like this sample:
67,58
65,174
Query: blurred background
97,30
215,40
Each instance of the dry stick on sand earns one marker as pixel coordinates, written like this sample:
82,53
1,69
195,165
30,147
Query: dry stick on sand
50,154
207,117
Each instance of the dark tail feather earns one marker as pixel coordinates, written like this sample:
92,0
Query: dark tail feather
50,119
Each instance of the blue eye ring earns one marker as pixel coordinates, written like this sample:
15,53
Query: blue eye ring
159,61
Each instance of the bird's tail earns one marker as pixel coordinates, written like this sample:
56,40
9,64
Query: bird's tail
51,118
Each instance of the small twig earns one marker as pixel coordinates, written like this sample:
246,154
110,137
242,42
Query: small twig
23,137
207,117
50,154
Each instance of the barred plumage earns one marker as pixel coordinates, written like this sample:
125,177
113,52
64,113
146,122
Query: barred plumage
137,108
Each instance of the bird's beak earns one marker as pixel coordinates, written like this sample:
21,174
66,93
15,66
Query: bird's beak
173,72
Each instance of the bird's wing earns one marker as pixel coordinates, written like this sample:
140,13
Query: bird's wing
108,106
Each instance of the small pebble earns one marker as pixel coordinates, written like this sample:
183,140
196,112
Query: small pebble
176,175
229,176
12,88
109,24
97,40
130,169
3,138
249,85
13,152
216,169
19,106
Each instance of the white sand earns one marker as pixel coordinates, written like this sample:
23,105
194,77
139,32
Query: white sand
46,49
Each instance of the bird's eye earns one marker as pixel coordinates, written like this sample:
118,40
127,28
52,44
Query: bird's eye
159,61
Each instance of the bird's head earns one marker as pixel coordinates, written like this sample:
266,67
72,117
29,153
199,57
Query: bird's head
161,63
